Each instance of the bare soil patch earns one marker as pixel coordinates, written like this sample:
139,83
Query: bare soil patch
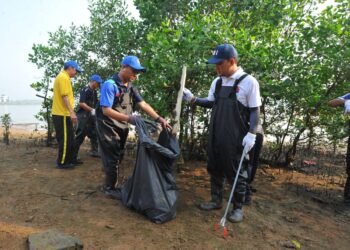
303,205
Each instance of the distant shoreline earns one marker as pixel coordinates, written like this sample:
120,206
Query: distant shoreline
21,102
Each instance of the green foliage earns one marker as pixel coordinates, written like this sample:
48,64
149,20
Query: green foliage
299,54
111,35
6,123
153,12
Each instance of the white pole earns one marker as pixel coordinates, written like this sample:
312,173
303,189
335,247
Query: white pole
176,126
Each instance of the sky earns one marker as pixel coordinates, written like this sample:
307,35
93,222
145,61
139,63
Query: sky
27,22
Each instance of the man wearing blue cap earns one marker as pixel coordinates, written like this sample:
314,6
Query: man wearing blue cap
86,117
63,115
345,102
114,112
234,97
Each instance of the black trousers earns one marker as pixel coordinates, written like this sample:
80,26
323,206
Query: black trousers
85,127
217,180
347,184
254,157
65,138
254,163
111,141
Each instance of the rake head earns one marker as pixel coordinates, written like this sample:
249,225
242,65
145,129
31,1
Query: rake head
220,225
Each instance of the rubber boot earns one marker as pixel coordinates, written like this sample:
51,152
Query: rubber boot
211,205
112,192
216,195
236,215
94,149
248,196
347,192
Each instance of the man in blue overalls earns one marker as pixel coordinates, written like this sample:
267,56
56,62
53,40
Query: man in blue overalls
345,101
86,117
113,114
234,97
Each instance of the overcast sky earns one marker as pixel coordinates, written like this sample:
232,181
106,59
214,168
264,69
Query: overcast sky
23,23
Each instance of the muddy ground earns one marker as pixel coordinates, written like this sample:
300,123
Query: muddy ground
291,208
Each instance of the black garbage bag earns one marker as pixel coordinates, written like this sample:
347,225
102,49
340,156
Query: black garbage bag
151,190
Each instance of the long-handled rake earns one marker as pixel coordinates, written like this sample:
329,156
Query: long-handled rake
222,222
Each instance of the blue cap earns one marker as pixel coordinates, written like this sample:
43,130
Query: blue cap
96,78
134,63
74,65
223,52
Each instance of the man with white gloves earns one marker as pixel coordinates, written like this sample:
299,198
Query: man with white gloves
86,117
235,99
345,101
346,107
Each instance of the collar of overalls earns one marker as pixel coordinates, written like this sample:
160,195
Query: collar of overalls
117,80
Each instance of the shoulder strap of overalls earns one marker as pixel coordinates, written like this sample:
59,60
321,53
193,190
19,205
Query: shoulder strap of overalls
131,97
218,86
242,111
237,81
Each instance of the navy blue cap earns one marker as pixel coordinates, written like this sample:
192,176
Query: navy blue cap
96,78
223,52
74,65
134,63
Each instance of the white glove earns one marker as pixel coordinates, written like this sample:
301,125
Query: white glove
187,95
93,112
248,142
347,107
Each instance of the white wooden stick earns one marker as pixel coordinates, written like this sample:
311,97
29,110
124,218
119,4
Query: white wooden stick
176,126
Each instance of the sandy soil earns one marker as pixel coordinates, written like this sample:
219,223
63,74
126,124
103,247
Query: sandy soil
303,206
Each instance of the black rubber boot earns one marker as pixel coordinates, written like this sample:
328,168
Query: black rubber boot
112,192
77,162
65,166
211,205
236,215
94,149
94,154
216,190
347,192
248,196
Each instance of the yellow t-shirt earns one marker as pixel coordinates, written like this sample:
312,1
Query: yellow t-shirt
62,87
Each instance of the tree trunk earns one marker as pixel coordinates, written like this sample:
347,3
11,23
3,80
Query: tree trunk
290,155
277,156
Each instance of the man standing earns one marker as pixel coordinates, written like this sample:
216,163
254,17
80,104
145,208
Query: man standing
345,101
113,114
63,115
86,117
234,97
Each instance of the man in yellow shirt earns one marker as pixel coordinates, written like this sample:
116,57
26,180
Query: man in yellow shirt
63,115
